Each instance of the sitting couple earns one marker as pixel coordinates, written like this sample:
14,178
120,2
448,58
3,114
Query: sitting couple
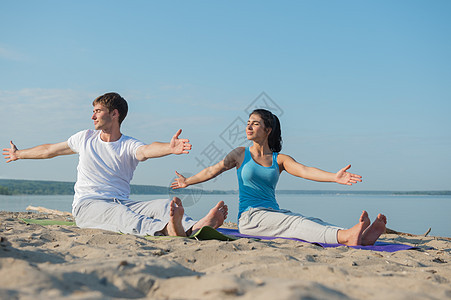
107,160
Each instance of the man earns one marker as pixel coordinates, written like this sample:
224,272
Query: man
107,160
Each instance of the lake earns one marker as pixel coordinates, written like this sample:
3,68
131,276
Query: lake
406,213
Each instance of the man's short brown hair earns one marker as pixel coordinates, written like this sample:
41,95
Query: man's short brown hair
113,101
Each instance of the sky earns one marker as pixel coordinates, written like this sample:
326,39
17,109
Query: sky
366,83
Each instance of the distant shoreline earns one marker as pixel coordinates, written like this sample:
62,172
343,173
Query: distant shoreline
43,187
340,192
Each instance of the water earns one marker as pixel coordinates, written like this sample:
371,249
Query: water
412,214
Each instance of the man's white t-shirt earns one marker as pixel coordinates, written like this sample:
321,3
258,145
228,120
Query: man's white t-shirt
105,169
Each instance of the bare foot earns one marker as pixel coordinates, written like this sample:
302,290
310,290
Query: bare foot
353,236
175,227
374,231
214,218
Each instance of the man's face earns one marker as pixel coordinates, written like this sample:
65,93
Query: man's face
102,117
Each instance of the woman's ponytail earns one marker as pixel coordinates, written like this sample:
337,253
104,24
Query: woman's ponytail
271,121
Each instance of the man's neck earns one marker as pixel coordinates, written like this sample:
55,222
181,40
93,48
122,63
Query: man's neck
112,136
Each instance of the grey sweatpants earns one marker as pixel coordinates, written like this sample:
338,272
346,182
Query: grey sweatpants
284,223
126,216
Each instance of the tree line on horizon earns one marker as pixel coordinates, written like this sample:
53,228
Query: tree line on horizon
41,187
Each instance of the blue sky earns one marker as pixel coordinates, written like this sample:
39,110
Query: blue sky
366,83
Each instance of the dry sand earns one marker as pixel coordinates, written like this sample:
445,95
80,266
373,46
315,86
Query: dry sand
53,262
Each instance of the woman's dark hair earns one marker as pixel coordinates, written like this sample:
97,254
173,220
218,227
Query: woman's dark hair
271,121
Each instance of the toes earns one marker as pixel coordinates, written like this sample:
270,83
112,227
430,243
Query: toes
177,201
171,211
224,210
382,218
364,218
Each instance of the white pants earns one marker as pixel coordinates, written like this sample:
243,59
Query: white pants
284,223
126,216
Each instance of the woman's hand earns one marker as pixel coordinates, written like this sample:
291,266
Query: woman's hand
179,182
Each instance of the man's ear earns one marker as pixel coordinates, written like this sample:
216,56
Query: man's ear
115,113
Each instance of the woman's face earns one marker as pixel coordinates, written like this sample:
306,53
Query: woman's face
255,129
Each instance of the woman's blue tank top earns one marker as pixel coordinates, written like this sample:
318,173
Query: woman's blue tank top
257,184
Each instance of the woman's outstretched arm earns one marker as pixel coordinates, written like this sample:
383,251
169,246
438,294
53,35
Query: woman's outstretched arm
288,164
229,162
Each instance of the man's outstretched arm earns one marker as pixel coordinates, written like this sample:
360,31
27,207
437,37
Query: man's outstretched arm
157,149
38,152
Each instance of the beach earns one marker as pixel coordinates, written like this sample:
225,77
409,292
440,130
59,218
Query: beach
61,261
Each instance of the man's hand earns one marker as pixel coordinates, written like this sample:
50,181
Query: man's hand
179,146
10,153
343,177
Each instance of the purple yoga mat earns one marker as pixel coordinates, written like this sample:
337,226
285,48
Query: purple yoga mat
378,246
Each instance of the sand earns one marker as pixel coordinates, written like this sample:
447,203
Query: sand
53,262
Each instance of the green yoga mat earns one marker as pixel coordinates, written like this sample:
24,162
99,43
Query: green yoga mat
45,222
205,233
209,233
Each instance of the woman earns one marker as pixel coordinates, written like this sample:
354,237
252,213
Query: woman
258,169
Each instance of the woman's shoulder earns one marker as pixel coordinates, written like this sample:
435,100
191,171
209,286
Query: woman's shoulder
235,157
283,157
238,151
